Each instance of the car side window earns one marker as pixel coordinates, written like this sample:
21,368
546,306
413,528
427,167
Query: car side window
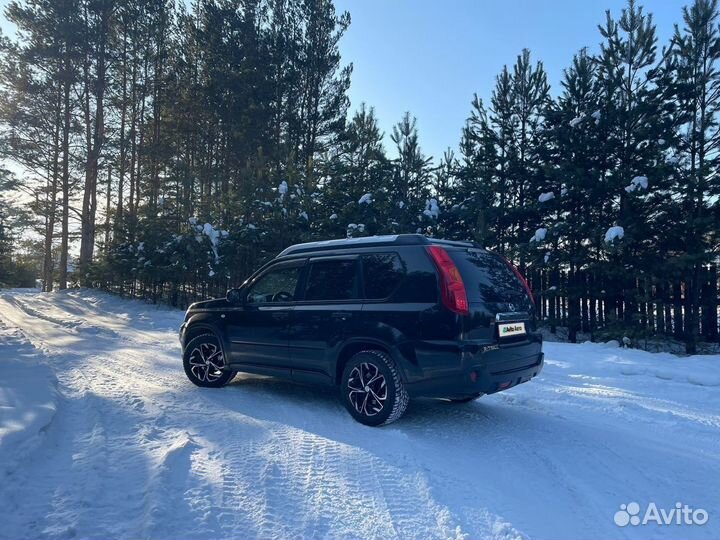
382,273
332,280
276,285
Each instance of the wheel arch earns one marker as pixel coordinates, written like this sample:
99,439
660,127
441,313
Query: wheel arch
351,347
199,328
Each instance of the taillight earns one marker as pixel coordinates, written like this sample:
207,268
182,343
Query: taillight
521,278
452,288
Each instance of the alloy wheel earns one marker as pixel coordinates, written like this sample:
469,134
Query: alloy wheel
206,362
367,389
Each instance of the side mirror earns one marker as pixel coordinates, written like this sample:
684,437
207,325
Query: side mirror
234,297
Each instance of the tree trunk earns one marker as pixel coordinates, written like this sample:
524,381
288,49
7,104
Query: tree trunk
62,274
52,206
108,202
89,209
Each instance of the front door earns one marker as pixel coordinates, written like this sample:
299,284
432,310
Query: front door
258,332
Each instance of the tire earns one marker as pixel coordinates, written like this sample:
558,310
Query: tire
372,390
203,361
465,399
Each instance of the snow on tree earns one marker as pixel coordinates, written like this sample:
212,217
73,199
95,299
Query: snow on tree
432,210
539,235
639,182
614,233
544,197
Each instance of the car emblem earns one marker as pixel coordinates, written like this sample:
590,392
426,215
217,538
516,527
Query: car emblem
511,307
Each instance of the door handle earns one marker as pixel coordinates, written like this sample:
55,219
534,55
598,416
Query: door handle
340,315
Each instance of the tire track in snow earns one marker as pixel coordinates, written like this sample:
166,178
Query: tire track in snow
373,489
296,484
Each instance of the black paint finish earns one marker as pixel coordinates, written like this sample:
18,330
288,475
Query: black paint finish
438,352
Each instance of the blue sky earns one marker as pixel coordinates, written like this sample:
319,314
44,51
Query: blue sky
429,56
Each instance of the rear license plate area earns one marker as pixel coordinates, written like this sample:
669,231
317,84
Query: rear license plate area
506,330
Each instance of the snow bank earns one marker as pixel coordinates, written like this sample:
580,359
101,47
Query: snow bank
645,367
28,399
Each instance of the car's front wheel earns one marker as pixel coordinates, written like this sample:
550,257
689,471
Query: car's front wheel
372,389
204,362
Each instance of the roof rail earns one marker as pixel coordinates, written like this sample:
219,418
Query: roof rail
371,241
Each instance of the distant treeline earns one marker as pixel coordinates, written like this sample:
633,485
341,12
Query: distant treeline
184,146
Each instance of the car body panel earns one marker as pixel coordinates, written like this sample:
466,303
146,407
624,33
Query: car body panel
318,332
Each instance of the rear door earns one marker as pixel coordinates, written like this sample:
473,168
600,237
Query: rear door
324,315
402,310
497,297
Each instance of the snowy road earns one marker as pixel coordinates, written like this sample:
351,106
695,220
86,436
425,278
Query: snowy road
126,447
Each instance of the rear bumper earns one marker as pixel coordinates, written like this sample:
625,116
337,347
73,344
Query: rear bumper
490,370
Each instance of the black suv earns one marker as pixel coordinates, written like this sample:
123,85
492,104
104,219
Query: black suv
383,317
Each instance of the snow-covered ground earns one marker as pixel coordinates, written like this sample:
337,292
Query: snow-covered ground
102,436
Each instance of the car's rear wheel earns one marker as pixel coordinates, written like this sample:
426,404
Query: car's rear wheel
204,362
372,389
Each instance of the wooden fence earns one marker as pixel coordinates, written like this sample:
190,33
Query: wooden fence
648,306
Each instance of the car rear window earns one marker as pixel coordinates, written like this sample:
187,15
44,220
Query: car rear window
487,277
382,273
332,280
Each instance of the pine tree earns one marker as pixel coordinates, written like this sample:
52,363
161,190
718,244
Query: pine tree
635,130
45,67
98,22
409,184
474,212
529,97
696,53
7,270
569,235
357,168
